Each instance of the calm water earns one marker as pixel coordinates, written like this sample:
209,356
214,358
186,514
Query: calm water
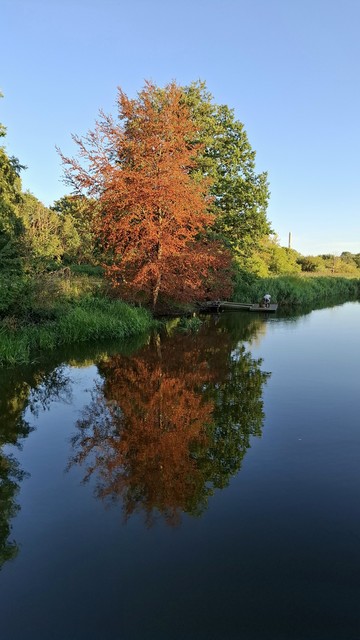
201,486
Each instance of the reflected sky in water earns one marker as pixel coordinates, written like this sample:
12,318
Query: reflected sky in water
195,486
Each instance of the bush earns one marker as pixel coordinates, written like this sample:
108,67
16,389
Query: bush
87,269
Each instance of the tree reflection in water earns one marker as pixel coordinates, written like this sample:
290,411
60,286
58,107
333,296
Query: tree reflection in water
171,424
10,478
35,392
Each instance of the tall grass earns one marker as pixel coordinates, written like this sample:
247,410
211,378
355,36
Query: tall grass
296,290
14,348
41,314
93,319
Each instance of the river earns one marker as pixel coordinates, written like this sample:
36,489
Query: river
197,485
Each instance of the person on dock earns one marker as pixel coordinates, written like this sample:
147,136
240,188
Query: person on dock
266,300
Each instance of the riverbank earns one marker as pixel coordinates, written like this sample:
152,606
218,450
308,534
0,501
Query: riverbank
45,313
48,311
90,320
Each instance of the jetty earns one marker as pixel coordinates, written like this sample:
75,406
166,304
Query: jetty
223,305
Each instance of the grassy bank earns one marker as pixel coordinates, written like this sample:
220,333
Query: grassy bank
296,290
47,312
41,313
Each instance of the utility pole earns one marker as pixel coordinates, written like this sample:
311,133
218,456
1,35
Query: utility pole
289,245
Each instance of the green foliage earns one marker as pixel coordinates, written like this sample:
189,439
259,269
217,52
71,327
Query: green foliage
71,240
240,194
78,216
41,314
246,285
87,269
350,258
100,319
346,264
10,199
41,236
31,298
13,289
311,264
292,291
269,258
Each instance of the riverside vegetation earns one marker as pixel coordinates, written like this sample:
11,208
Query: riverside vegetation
44,312
171,212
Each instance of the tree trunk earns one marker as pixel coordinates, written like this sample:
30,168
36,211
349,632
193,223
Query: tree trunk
156,290
158,279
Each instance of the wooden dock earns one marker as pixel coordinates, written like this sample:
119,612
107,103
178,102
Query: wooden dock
270,309
219,305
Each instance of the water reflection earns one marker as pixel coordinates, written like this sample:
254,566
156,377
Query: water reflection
29,391
165,428
10,478
171,424
35,392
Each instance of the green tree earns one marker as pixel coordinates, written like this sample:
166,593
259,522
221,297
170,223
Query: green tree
311,264
240,194
10,198
350,262
42,226
78,216
269,258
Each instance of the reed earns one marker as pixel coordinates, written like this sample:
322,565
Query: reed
294,291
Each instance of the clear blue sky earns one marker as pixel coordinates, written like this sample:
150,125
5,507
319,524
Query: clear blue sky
289,68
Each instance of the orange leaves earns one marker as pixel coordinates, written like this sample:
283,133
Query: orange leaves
153,211
140,434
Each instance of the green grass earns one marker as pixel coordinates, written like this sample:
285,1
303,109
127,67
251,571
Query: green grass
14,349
296,290
92,320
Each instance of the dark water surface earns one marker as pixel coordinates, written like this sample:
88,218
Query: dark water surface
203,486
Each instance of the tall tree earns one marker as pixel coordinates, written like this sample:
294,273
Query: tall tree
10,198
240,195
41,229
78,221
154,211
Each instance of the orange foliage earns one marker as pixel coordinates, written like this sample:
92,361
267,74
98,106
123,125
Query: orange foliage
143,428
154,213
171,423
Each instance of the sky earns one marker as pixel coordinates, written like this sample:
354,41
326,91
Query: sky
288,68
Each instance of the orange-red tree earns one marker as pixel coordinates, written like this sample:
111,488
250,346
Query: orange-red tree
154,212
